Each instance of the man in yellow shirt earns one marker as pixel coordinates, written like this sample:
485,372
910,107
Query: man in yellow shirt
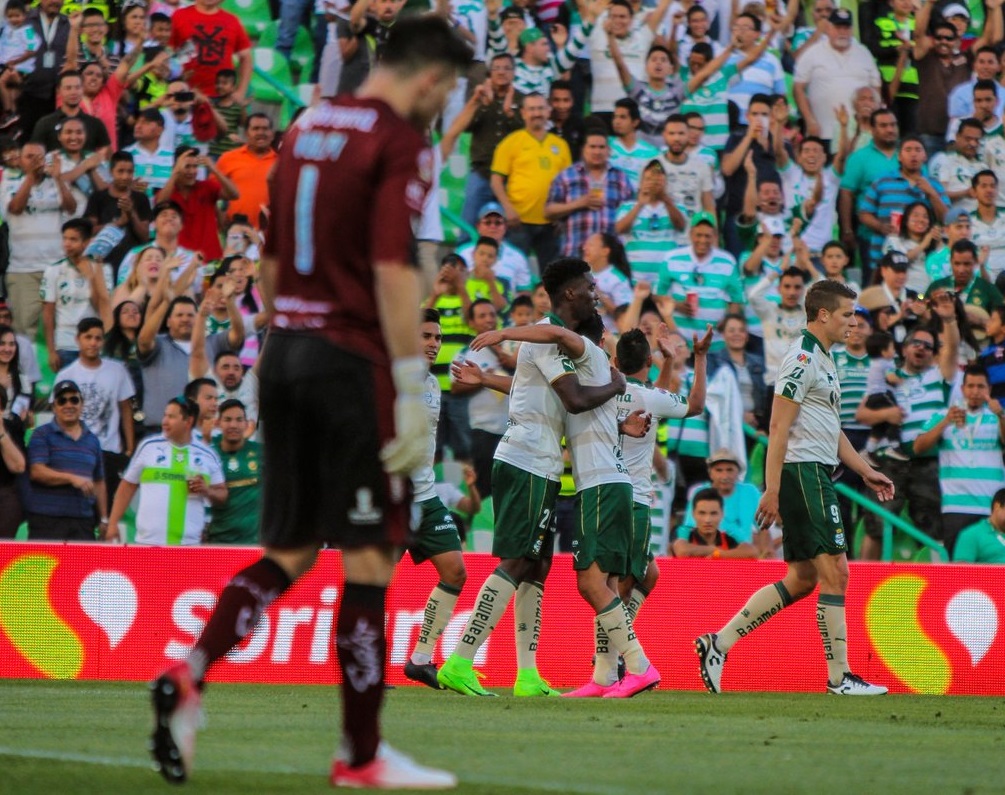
523,166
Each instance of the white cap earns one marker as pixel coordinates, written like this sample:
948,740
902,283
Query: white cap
955,10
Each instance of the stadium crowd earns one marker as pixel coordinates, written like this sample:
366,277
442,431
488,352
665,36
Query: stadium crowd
708,160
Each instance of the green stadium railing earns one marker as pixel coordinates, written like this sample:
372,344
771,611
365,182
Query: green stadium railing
890,520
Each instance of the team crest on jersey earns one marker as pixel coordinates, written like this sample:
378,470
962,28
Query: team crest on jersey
365,512
803,358
232,465
839,538
554,149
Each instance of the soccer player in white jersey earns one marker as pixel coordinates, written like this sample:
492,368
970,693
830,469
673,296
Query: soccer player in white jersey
805,444
604,498
174,474
634,359
525,477
436,538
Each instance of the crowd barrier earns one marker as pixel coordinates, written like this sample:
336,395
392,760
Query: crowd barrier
79,611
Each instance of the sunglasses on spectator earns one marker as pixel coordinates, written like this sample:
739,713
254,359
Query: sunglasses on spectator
73,400
922,344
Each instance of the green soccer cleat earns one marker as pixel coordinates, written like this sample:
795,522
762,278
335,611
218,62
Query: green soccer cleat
529,684
457,674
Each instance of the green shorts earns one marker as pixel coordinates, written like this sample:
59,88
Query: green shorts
524,513
811,516
604,531
436,533
642,530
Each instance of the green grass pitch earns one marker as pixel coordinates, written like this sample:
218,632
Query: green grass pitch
89,737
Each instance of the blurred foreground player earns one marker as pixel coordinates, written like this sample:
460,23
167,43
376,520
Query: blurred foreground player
341,371
805,444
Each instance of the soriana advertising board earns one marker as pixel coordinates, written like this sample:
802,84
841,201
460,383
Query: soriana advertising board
76,611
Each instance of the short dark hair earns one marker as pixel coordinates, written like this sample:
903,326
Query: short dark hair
229,73
592,328
877,342
252,116
999,498
478,302
661,48
910,139
880,112
192,387
826,294
972,124
754,20
633,350
732,316
232,403
89,11
521,300
87,323
485,240
189,410
122,156
985,172
675,118
418,41
559,85
792,272
964,247
82,225
813,139
178,301
624,4
64,75
834,244
631,106
704,49
695,9
17,5
430,316
986,85
760,99
157,18
224,354
183,150
707,495
559,273
977,370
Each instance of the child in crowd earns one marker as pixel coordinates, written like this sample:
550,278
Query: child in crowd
18,44
884,436
228,110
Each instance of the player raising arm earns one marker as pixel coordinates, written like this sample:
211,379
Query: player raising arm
805,444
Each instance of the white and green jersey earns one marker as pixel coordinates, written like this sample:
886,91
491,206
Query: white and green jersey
638,453
754,326
853,373
613,285
970,462
993,154
779,325
689,436
922,394
799,188
955,171
592,436
687,181
646,245
937,265
632,161
154,168
65,287
529,79
168,515
423,477
711,100
533,438
991,235
715,279
808,377
711,157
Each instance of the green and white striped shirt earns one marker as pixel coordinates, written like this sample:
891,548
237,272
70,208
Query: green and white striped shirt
712,102
970,462
922,394
634,161
853,372
651,237
688,436
716,280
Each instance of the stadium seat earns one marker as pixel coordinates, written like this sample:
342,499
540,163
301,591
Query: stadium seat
255,15
302,57
273,64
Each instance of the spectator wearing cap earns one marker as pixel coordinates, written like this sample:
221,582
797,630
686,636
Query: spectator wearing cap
505,27
523,166
175,476
739,499
917,237
69,96
902,307
651,224
984,541
703,281
12,464
957,226
706,539
66,493
32,203
892,193
167,227
197,199
988,223
538,64
119,212
511,267
497,115
219,38
966,281
584,198
152,162
941,69
248,167
829,72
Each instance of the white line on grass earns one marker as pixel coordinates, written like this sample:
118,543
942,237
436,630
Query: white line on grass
135,762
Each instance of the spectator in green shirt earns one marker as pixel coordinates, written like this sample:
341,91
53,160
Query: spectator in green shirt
972,289
236,521
984,542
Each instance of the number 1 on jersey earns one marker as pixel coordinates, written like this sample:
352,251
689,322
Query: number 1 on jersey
307,190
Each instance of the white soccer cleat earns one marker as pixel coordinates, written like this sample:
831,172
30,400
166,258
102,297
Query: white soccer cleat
711,662
851,685
390,769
